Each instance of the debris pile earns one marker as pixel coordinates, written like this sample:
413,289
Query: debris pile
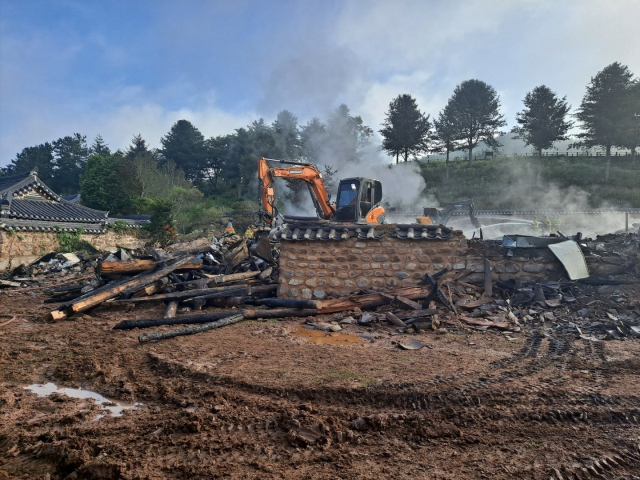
238,277
193,274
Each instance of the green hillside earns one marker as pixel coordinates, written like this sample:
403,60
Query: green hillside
519,182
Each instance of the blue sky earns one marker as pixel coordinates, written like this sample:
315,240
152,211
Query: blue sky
119,68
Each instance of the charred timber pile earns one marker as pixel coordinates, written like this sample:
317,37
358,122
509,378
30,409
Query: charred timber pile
234,274
193,276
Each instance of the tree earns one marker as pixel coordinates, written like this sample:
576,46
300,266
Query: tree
603,113
71,154
631,139
161,226
239,168
543,121
99,147
445,135
138,147
406,130
39,156
346,136
102,185
477,115
286,136
217,153
184,145
313,138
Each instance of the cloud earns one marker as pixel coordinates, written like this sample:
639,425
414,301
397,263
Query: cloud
118,124
143,65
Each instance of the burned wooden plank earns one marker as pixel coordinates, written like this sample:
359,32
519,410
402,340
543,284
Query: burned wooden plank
483,322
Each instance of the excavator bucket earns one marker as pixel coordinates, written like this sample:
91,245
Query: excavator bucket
262,249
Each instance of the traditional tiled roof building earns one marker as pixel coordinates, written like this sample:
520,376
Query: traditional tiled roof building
27,204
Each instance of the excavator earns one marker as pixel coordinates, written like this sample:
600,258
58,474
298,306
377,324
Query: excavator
440,216
358,199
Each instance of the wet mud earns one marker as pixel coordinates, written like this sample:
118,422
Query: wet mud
273,400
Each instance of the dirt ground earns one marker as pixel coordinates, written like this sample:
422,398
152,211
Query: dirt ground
261,400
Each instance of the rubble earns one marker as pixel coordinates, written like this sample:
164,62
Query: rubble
233,271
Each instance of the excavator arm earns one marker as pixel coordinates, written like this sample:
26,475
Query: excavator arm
305,172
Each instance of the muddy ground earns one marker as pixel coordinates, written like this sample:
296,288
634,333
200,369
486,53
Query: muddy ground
259,400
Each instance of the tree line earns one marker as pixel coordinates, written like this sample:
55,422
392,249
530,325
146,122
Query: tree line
609,116
195,177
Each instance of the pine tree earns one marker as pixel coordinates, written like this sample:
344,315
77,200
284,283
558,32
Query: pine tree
406,130
71,154
184,145
99,147
543,121
477,115
446,134
603,113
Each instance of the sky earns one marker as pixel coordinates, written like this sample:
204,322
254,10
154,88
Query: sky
122,68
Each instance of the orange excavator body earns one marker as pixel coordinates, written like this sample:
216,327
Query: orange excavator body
363,195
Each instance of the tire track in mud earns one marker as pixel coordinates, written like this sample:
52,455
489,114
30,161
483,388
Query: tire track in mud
441,391
602,466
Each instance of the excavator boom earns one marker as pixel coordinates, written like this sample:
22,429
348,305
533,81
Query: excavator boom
305,172
358,199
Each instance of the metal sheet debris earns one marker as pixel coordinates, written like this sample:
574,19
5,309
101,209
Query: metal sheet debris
572,259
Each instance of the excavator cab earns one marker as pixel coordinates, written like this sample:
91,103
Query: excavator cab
358,201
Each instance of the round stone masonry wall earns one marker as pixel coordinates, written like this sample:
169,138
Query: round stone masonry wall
320,269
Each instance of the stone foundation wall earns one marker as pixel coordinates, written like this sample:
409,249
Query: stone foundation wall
316,269
521,264
25,247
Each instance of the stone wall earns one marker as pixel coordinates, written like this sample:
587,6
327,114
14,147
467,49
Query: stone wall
318,269
315,269
25,247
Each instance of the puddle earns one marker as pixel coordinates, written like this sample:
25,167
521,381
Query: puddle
109,406
332,338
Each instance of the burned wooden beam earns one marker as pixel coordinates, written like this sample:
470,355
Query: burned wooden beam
403,302
172,308
207,293
413,314
281,313
153,337
234,277
186,320
370,300
393,320
152,288
140,265
488,283
283,302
